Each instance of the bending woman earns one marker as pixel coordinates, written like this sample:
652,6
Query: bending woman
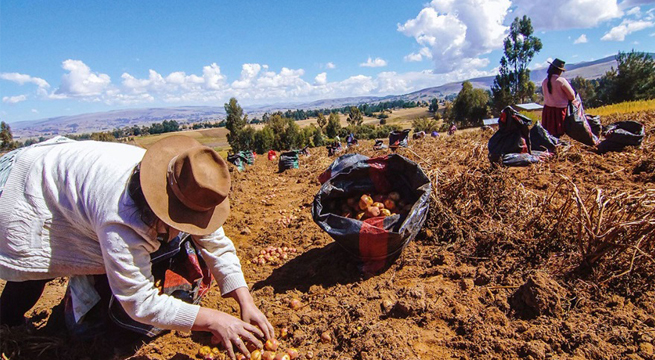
87,208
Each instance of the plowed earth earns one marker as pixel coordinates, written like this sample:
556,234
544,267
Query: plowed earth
496,273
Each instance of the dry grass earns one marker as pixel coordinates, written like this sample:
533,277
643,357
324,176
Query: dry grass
628,107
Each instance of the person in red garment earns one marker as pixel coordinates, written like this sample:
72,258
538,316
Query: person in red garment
557,94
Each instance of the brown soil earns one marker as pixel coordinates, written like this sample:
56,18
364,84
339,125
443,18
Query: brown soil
499,270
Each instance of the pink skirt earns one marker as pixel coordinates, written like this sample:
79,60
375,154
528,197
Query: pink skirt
552,119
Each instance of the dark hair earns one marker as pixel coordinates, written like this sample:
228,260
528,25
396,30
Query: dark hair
552,70
136,193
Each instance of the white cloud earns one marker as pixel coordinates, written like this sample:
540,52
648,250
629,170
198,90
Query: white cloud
413,57
377,62
419,56
330,65
34,111
81,82
635,11
248,74
567,14
581,40
457,33
618,33
22,79
321,79
14,99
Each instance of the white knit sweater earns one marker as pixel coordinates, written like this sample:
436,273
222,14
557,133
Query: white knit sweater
65,211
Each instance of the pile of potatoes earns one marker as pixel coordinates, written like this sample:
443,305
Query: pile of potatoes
271,351
369,206
273,255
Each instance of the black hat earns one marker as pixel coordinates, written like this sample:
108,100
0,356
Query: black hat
557,63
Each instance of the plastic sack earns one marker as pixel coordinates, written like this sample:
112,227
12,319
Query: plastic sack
341,163
238,160
524,159
542,140
248,156
512,136
576,125
594,124
288,160
398,138
621,134
379,145
374,242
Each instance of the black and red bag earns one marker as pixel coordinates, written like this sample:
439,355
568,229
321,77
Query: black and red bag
377,241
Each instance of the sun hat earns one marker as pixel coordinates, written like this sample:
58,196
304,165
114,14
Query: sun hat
186,184
557,63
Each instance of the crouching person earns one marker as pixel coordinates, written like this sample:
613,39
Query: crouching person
101,213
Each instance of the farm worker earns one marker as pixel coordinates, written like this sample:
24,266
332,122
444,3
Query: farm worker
557,94
86,208
452,129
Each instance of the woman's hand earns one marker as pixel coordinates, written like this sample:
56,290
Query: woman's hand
228,330
250,313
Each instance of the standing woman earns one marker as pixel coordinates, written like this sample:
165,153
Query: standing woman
72,208
557,94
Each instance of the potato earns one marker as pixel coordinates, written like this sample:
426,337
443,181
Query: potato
365,201
389,204
378,205
372,211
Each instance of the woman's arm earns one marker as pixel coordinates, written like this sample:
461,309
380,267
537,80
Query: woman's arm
219,253
567,88
127,263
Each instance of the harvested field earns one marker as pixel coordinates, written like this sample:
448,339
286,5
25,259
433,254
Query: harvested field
552,261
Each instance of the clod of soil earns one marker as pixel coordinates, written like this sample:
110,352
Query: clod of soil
540,295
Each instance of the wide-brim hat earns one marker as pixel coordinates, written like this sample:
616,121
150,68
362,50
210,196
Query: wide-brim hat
186,184
557,63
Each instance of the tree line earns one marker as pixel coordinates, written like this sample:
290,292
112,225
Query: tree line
283,133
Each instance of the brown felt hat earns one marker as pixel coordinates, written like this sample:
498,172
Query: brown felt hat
558,64
186,184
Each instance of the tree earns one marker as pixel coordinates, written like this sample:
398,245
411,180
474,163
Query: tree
585,88
322,121
264,140
6,138
318,137
234,122
470,106
333,126
434,105
425,124
633,79
513,84
355,116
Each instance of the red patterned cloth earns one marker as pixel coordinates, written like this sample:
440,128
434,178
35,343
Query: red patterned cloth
552,119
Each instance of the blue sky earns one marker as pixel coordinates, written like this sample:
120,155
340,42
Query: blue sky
71,57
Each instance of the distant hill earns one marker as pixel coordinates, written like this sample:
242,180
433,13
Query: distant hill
104,121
